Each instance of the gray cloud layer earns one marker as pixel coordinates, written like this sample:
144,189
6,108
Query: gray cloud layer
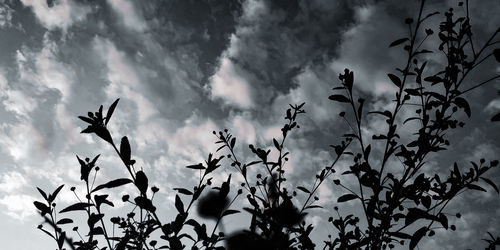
185,68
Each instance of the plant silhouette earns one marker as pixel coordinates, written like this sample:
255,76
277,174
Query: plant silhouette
399,206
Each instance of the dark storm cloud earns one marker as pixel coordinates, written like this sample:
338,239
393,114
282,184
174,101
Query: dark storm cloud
275,40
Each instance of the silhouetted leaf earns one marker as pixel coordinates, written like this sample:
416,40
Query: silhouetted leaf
76,207
179,205
496,53
233,142
491,183
417,236
313,206
111,110
415,214
347,197
47,232
196,166
304,189
141,181
125,150
93,219
60,241
102,199
96,231
113,184
145,203
462,103
395,80
426,201
86,119
229,211
64,221
367,152
42,193
495,118
42,207
475,187
53,196
338,98
400,235
443,220
183,191
386,113
398,42
276,144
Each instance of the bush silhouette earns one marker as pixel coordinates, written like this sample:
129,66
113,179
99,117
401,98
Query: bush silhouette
399,206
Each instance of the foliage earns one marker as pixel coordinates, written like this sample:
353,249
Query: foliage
401,205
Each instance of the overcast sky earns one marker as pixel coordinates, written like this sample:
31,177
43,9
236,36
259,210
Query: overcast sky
185,68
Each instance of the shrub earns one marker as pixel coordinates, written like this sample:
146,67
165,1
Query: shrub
399,205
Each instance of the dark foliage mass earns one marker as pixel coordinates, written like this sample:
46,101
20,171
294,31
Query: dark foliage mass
400,205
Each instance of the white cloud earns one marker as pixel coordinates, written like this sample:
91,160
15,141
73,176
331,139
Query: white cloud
243,129
22,141
127,11
19,206
62,15
12,181
228,85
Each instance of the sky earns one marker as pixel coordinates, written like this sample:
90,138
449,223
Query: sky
183,68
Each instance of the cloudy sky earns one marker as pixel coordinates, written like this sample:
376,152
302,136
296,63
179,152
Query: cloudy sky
184,68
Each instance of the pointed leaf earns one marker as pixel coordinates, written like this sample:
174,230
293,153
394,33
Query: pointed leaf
42,207
125,150
462,103
443,220
42,193
179,205
398,42
53,196
338,98
475,187
417,236
233,141
492,184
276,144
496,53
495,118
347,197
141,181
60,241
113,184
196,166
86,119
76,207
183,191
64,221
111,110
229,211
395,80
303,189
